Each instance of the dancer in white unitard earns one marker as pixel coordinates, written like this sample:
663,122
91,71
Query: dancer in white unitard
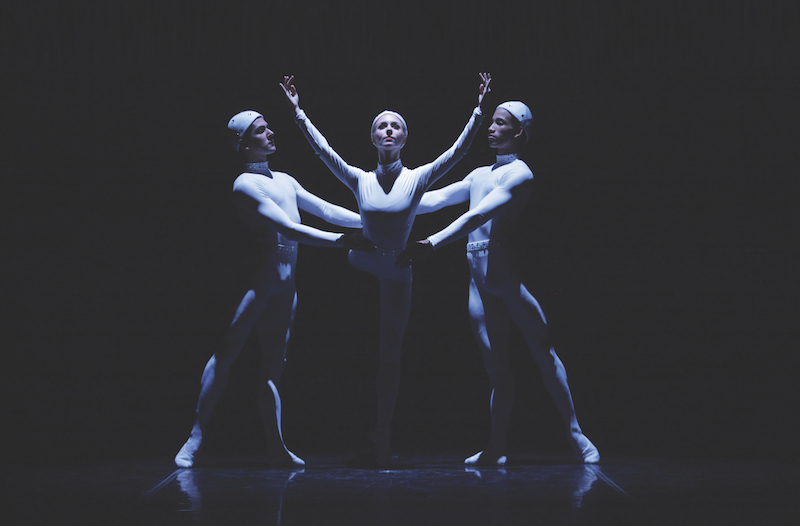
497,194
268,203
387,198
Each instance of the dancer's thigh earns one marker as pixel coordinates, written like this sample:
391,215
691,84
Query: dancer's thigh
527,315
489,319
395,305
274,328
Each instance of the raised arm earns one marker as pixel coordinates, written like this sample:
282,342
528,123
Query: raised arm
331,213
343,171
435,170
261,207
450,195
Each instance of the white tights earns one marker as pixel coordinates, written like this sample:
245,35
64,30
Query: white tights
490,315
268,309
395,305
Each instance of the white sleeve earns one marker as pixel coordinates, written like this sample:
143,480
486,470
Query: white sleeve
436,169
513,187
334,214
256,203
343,171
450,195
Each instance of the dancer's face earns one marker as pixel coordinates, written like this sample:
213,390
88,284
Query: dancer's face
503,130
260,139
389,133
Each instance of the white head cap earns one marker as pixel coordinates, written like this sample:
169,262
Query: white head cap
389,112
520,112
239,124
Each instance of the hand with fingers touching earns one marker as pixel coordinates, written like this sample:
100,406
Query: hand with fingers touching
414,252
483,89
290,91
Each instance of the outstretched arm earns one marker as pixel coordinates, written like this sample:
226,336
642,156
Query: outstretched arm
258,205
433,171
515,187
331,213
431,202
343,171
453,194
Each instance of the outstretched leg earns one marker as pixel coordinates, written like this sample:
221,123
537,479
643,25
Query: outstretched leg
395,308
273,331
490,323
528,315
215,374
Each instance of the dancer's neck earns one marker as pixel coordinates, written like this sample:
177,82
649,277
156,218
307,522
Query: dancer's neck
392,168
388,157
506,158
258,168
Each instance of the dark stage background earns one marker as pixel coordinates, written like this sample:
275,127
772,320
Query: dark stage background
659,241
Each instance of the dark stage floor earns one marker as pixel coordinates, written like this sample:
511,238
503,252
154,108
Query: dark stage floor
418,490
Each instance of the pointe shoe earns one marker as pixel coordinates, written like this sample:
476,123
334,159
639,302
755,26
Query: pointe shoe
585,451
479,459
289,460
185,457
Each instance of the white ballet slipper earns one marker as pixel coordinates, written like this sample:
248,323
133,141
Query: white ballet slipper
585,451
478,460
185,457
290,460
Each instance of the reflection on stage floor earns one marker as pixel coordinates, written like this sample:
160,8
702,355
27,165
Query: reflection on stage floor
416,490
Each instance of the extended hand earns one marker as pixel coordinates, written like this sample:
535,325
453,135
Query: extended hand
357,241
414,252
483,89
290,91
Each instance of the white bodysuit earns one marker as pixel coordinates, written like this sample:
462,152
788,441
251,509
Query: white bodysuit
268,204
261,192
260,183
387,217
489,187
497,196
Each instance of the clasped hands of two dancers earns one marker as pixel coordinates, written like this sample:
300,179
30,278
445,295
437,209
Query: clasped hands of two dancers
356,240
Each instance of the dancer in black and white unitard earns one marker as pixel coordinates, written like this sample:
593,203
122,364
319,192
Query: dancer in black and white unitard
497,194
268,203
387,198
